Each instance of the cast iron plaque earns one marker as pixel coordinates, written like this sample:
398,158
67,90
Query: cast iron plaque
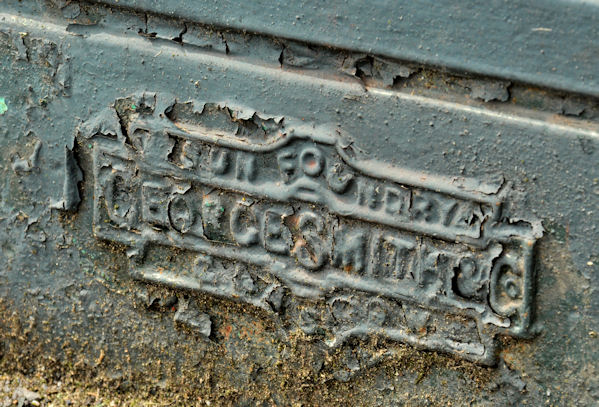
274,199
272,205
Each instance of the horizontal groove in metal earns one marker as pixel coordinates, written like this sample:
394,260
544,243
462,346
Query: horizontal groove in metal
546,43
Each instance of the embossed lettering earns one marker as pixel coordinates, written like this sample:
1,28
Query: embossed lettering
190,155
311,161
242,225
367,194
277,238
339,180
397,200
425,209
245,167
349,250
180,212
120,201
310,249
287,164
427,264
220,161
393,255
277,216
469,277
213,215
155,199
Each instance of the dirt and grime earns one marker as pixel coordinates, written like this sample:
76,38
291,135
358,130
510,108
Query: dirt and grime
83,324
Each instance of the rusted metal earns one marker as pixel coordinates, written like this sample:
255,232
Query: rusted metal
307,215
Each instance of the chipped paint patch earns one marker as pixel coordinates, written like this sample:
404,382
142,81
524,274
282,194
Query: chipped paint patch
3,107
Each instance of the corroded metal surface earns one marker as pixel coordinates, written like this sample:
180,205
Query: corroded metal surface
250,219
272,205
543,42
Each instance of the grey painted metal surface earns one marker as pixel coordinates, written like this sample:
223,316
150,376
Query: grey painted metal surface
548,43
219,211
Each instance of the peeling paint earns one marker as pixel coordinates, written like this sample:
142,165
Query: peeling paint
67,292
70,190
490,90
26,165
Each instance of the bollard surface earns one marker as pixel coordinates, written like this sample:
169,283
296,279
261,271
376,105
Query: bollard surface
251,204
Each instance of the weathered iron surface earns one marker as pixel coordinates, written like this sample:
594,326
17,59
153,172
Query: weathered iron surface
272,204
543,42
250,219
